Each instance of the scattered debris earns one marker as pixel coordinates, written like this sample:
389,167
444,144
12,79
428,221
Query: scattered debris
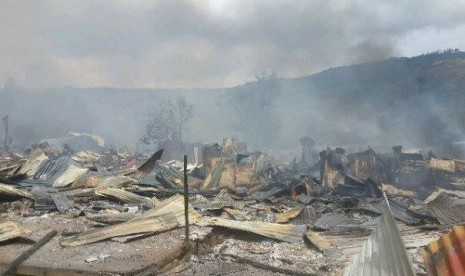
288,233
10,230
169,214
13,192
384,252
244,206
62,203
100,258
288,215
11,268
446,255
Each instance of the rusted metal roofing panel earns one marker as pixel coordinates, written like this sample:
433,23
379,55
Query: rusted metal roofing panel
167,215
442,165
446,209
446,256
384,252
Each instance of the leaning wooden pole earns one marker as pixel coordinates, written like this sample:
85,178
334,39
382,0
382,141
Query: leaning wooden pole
186,200
11,268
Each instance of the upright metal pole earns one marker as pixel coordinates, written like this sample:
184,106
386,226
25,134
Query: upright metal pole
186,200
5,142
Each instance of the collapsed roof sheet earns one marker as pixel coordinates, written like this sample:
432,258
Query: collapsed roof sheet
446,209
69,176
169,214
11,191
398,210
384,252
446,256
284,232
33,163
53,168
330,220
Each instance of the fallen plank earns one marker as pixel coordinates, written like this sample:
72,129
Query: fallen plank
288,215
283,232
318,241
168,215
10,191
11,268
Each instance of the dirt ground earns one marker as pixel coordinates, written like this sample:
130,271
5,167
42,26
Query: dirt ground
116,258
103,258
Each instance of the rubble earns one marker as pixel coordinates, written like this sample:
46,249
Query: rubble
244,207
445,256
13,192
10,230
383,253
166,216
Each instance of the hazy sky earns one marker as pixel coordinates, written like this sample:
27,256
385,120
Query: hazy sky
213,43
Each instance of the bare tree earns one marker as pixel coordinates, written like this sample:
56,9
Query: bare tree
185,113
255,109
168,121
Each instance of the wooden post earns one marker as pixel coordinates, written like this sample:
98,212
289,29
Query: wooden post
11,268
186,200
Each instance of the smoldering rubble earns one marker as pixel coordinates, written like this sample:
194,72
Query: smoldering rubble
335,214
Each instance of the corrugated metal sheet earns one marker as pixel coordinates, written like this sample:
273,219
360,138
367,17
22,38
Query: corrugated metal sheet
446,209
330,220
33,163
384,252
69,176
52,169
351,242
146,168
446,256
169,214
398,210
11,191
62,202
284,232
124,196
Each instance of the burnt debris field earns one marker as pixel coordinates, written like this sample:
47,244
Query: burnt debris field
232,138
113,212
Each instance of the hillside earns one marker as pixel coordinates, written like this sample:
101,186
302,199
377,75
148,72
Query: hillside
412,101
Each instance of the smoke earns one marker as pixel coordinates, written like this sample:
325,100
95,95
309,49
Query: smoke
207,43
48,47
